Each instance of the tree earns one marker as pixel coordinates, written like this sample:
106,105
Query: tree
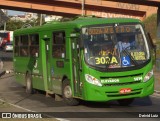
40,20
17,24
151,25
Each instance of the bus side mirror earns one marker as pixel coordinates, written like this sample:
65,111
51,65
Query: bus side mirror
153,46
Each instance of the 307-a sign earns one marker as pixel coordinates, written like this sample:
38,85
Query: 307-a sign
125,90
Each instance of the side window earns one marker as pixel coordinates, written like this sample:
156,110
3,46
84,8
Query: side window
16,45
34,45
58,48
24,41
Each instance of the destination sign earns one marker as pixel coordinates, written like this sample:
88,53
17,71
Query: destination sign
110,30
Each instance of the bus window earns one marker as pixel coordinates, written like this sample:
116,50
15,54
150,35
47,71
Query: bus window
58,44
24,40
16,48
24,51
34,45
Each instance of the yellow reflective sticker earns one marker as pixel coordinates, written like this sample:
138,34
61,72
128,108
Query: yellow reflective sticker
138,55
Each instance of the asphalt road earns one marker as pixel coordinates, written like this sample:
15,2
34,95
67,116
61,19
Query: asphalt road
6,56
15,94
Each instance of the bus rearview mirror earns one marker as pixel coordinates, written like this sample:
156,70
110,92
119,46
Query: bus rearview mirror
151,41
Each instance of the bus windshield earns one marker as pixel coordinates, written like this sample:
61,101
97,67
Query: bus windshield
115,46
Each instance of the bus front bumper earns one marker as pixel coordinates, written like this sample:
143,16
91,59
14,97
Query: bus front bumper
106,93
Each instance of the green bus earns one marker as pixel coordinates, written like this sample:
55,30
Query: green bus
88,58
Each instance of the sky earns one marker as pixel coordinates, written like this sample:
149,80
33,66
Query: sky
11,12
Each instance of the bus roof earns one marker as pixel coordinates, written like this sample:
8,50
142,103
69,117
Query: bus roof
79,22
91,21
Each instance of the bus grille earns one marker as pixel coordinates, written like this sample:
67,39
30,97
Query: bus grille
121,84
117,94
126,76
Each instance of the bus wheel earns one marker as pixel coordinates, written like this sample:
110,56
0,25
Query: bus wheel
125,102
67,94
29,89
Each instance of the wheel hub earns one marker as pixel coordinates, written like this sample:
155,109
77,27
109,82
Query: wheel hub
68,92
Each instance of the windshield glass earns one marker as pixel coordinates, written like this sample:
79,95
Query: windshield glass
115,46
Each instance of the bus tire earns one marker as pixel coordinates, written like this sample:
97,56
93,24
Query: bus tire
29,88
125,102
67,94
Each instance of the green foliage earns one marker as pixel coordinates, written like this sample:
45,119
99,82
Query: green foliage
151,25
12,25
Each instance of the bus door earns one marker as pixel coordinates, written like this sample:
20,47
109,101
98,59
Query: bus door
48,59
76,66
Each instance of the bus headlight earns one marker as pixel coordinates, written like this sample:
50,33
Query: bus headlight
92,80
148,76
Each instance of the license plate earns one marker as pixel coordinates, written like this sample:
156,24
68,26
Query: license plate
125,90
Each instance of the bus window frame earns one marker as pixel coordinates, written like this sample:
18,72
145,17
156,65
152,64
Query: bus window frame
36,54
24,47
20,46
16,45
62,45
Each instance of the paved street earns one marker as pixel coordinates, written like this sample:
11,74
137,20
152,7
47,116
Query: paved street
6,56
14,94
